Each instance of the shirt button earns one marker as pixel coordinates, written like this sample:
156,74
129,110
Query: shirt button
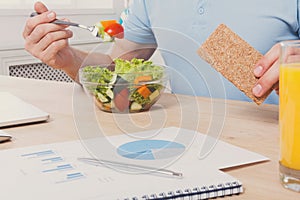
201,10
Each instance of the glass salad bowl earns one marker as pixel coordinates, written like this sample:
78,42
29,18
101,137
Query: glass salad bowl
126,86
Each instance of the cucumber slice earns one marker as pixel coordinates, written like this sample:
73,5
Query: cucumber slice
106,37
113,79
102,98
154,95
110,93
135,106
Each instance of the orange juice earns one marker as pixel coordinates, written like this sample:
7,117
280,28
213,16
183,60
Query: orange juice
289,115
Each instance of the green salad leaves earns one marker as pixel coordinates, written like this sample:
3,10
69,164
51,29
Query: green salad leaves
130,70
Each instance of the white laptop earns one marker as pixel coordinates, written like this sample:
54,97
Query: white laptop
15,111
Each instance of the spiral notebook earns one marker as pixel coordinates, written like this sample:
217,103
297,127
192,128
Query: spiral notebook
53,171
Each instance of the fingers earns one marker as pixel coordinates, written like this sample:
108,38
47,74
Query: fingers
267,70
41,36
34,46
39,7
33,22
53,37
267,61
49,55
293,58
267,81
41,49
44,17
40,32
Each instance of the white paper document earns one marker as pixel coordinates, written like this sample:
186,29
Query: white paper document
52,171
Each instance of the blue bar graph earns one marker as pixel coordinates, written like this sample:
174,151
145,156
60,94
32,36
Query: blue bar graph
59,168
38,154
71,177
74,175
52,160
54,166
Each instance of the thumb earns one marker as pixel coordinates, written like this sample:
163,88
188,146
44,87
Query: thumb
39,7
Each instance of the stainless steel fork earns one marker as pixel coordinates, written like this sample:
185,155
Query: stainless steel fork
93,29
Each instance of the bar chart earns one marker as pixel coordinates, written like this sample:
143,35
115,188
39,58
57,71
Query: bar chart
54,166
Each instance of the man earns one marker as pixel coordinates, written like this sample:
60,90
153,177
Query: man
177,28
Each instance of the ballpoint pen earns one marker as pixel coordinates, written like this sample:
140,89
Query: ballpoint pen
98,162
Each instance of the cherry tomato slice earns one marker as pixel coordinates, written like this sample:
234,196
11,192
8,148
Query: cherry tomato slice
115,30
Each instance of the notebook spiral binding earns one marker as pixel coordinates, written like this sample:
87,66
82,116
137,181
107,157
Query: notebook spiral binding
212,191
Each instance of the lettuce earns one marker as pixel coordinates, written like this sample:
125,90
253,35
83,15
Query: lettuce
129,70
97,74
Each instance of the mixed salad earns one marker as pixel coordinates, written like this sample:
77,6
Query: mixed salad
132,86
110,29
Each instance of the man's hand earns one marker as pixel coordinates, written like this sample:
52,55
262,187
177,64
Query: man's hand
267,70
47,41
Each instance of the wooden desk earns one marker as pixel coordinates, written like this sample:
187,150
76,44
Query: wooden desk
246,125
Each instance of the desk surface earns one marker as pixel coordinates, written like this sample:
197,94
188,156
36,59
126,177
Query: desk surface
246,125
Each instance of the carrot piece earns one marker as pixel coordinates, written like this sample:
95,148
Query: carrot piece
106,23
142,78
144,91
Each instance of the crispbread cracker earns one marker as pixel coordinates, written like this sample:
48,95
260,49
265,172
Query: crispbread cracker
234,58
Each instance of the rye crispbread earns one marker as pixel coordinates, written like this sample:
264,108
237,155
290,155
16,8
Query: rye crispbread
234,58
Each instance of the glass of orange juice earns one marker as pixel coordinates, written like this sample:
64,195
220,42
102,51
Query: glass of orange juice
289,115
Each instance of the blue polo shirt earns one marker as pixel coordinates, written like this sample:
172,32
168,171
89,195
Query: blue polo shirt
179,27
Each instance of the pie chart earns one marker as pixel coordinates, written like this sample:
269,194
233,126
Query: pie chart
150,149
